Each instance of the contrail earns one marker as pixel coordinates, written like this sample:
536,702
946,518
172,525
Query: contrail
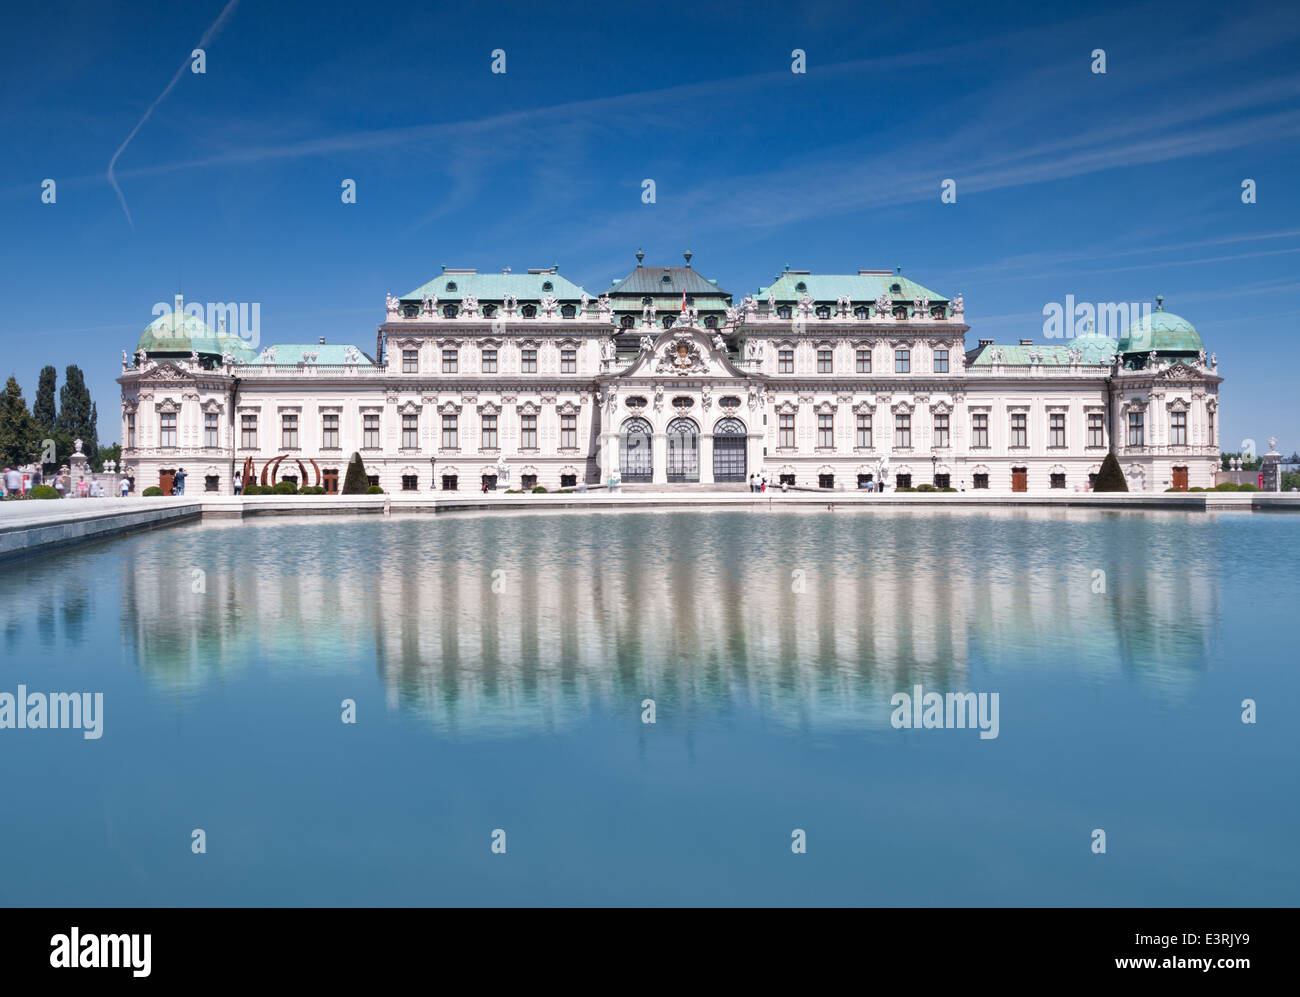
207,37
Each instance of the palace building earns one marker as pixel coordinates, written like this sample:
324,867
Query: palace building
818,380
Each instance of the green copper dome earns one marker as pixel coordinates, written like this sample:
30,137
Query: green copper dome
180,332
1162,332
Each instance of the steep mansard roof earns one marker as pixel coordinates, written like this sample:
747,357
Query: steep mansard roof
452,285
650,280
863,287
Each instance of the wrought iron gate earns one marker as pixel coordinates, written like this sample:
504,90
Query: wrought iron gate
683,450
636,451
729,445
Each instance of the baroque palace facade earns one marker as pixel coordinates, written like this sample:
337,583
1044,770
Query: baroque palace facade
818,380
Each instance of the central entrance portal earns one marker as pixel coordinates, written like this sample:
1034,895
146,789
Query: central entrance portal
683,450
729,446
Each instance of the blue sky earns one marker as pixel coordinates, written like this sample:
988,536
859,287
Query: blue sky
1110,187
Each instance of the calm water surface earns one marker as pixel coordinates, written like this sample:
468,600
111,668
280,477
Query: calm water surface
499,663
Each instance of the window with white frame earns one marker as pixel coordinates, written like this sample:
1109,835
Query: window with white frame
940,430
825,430
410,431
1056,429
210,429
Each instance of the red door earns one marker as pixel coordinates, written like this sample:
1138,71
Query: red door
1180,478
1019,479
165,481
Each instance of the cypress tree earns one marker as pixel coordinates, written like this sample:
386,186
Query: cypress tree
1110,478
43,410
76,416
19,435
355,483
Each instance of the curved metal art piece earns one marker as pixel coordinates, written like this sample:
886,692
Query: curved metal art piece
272,467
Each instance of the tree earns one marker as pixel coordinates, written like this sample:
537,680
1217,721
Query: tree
43,410
76,419
355,482
1110,478
19,435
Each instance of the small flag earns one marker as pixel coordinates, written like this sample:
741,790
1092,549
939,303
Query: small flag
683,302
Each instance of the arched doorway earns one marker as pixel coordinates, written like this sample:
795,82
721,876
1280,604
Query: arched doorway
636,459
683,450
729,450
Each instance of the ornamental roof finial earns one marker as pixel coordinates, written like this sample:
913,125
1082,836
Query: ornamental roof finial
688,255
639,256
1160,302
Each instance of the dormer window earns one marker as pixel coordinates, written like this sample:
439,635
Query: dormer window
900,311
626,321
529,311
451,287
668,321
823,311
895,289
449,311
801,287
547,286
861,313
409,311
710,321
647,300
938,311
666,279
568,311
783,311
489,311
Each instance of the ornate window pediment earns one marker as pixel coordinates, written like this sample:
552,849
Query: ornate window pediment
409,408
487,408
212,406
568,408
1177,405
864,408
787,408
449,408
902,407
528,408
941,408
449,342
167,405
826,408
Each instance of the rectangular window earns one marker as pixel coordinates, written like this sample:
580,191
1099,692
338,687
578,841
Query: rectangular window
825,430
568,361
568,432
785,431
1057,480
825,481
289,431
528,363
489,361
372,480
942,481
902,361
1096,432
940,430
824,362
528,432
1056,429
449,361
1019,429
410,482
528,482
979,430
864,429
903,481
209,429
902,430
450,436
1135,429
864,361
449,482
248,432
370,437
489,432
1178,429
410,432
980,481
130,429
330,478
410,361
329,431
568,481
167,429
941,361
785,362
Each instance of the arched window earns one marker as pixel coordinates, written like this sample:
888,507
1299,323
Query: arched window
895,289
636,402
801,287
636,450
682,402
683,450
489,311
409,311
646,300
783,311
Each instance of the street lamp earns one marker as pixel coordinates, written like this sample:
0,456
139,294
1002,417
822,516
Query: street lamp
934,470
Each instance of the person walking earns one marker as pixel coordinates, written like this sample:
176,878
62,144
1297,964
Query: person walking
239,482
59,484
13,482
125,487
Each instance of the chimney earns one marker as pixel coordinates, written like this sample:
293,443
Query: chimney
986,342
322,340
1026,342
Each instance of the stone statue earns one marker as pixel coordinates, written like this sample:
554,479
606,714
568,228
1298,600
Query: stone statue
1200,358
958,308
549,303
503,470
733,315
605,308
1214,360
1272,444
140,357
647,343
392,304
510,303
719,343
194,356
805,306
648,313
884,306
76,446
582,307
469,306
429,305
126,362
749,306
919,308
843,304
754,349
1151,359
771,303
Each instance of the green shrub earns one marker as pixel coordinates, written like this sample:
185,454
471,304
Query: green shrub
514,491
1244,487
285,488
908,489
926,488
1196,488
947,489
565,491
312,490
251,489
47,492
151,491
539,490
1173,489
374,490
354,482
1226,486
1110,478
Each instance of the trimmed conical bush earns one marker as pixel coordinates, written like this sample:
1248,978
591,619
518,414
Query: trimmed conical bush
1110,478
355,482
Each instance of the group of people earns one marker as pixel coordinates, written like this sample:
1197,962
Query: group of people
758,482
19,481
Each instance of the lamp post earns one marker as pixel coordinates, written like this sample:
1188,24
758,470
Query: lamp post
934,470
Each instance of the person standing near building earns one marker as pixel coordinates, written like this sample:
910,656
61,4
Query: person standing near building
239,482
13,482
125,487
180,481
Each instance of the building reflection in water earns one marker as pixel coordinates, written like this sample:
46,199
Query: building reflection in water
510,622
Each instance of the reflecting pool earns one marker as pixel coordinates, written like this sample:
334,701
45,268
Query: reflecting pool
500,667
